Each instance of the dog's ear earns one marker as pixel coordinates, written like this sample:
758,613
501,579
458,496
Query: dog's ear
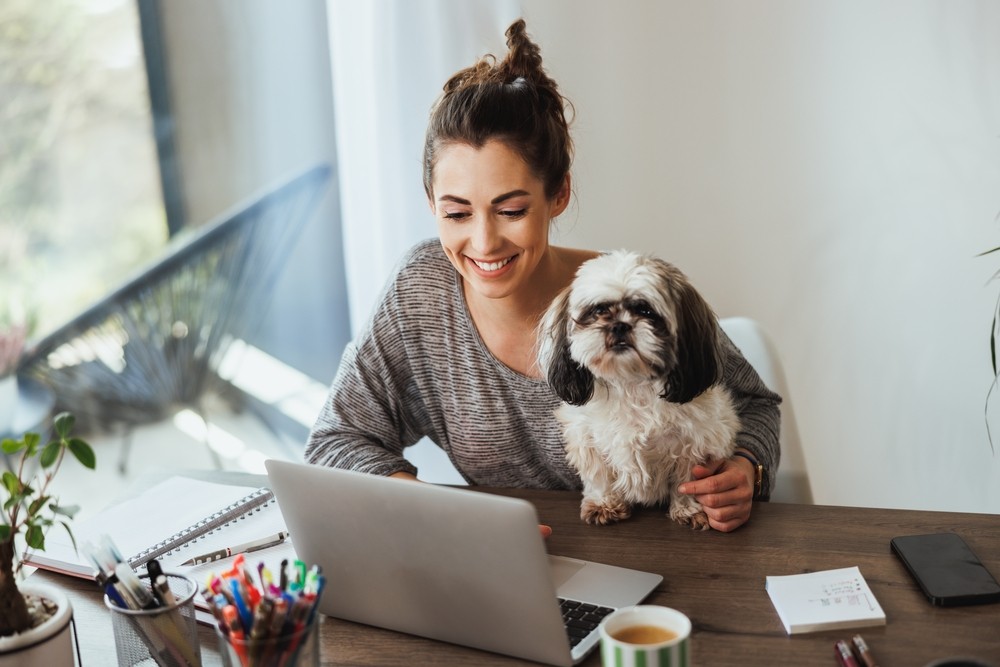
572,382
699,362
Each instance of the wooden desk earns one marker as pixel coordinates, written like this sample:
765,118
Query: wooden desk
716,579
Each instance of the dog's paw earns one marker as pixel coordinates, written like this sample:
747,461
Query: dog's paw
690,516
601,515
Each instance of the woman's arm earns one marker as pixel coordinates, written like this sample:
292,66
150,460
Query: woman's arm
726,489
360,426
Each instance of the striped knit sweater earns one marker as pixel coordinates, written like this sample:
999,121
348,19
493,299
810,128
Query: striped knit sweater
420,369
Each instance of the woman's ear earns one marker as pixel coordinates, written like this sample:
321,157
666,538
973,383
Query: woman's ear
561,200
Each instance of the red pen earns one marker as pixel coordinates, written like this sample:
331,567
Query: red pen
236,637
864,654
844,656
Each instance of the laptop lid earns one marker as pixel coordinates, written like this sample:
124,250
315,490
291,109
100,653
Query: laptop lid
446,563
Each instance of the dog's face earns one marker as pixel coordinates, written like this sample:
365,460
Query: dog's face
629,318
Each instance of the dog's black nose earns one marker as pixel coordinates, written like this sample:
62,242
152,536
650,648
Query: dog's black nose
620,329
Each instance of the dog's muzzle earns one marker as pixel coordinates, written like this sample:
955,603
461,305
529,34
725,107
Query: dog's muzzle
619,337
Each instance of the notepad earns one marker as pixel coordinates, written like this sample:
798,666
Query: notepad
826,600
172,521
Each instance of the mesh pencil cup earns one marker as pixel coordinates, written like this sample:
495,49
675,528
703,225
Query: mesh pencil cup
299,648
167,635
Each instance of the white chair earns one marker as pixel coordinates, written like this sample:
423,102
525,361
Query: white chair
792,483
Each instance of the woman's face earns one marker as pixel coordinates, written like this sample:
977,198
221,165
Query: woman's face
493,216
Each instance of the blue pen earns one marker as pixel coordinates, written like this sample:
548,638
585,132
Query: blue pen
246,618
320,583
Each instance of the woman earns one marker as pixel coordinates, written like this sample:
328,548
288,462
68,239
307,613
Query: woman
450,350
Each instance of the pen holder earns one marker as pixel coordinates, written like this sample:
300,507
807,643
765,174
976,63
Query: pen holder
299,648
165,636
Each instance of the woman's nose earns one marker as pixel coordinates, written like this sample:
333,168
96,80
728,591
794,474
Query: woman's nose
485,237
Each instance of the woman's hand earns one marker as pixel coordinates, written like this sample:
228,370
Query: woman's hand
725,490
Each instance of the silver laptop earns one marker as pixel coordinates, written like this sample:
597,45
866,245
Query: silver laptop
446,563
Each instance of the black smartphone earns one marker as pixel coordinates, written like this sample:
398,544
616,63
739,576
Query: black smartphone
948,572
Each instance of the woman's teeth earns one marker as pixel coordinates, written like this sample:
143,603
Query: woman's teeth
492,266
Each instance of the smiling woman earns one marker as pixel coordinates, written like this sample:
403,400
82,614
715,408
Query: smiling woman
450,350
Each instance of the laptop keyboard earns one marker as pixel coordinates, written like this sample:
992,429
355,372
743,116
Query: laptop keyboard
581,618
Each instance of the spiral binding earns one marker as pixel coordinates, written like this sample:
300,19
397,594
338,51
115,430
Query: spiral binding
246,505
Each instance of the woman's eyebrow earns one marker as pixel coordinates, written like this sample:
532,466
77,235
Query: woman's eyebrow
496,200
508,195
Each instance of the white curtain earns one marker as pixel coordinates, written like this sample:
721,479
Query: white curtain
390,59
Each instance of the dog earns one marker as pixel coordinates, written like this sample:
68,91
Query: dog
635,354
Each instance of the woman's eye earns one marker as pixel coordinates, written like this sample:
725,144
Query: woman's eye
516,213
455,215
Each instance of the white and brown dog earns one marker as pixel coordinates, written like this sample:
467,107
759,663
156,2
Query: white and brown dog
635,354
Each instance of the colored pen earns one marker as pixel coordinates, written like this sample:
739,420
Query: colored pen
255,545
232,618
153,569
843,654
864,654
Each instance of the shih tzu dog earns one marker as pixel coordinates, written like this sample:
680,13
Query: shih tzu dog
635,354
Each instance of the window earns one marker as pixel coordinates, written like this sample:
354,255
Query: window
80,200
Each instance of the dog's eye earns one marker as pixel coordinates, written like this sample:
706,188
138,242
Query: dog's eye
641,309
595,312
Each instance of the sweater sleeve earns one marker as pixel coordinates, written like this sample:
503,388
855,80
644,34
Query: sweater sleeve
760,416
366,421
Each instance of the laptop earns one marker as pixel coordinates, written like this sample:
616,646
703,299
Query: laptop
447,563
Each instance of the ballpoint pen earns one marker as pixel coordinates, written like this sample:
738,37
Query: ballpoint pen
255,545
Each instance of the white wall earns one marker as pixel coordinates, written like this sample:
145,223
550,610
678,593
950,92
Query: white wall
830,169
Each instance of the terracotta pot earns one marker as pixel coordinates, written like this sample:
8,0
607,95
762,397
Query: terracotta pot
48,645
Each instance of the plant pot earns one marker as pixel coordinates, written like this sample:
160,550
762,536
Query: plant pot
48,645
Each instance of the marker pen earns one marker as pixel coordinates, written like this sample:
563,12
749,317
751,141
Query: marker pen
843,654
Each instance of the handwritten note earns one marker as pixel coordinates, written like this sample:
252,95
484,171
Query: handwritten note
827,600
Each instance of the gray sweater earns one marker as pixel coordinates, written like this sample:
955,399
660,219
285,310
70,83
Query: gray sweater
419,369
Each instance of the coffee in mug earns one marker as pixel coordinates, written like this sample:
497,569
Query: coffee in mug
646,635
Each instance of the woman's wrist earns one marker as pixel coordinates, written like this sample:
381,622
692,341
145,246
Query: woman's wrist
757,479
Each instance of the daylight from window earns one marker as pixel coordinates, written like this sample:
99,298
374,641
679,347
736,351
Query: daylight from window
80,202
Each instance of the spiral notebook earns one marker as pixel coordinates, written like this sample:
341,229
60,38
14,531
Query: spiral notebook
173,521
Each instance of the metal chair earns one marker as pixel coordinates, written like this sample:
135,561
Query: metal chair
154,344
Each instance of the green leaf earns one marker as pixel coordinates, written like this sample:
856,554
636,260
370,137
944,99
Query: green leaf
70,533
63,424
11,483
11,446
35,537
37,504
83,452
49,454
987,252
66,510
31,441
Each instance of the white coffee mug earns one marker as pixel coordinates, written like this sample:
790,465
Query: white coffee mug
646,635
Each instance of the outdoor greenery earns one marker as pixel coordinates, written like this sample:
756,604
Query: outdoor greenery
80,205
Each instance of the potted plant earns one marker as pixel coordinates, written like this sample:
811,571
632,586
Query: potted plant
34,619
